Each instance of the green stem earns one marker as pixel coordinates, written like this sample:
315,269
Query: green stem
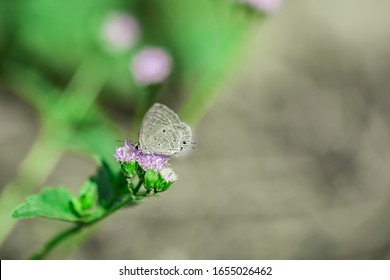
137,187
49,246
68,233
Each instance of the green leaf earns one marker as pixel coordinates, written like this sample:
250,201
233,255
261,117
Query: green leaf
111,186
105,180
121,184
84,205
77,207
88,194
51,203
151,179
129,169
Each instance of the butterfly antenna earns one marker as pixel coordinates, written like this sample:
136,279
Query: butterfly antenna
193,145
123,141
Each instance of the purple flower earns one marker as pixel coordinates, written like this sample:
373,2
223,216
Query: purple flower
150,66
150,161
120,30
129,153
263,5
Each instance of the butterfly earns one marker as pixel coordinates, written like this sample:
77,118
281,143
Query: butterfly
162,132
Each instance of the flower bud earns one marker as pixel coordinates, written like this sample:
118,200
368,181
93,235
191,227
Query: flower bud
129,169
159,182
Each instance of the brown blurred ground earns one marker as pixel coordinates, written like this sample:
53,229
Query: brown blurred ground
291,162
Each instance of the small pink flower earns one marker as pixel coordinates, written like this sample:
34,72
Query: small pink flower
129,153
151,66
120,30
152,161
263,5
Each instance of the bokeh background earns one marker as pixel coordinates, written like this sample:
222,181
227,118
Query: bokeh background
290,112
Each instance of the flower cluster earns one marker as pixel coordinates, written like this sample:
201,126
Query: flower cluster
129,153
155,170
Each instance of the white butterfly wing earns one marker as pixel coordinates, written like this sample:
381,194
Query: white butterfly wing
162,132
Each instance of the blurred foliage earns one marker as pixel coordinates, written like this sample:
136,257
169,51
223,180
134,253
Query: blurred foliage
55,37
52,54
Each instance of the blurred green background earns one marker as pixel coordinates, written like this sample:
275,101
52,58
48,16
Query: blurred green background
289,112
